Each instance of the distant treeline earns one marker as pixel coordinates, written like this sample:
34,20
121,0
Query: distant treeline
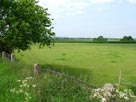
100,39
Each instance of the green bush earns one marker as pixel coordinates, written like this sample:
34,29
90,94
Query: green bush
127,39
100,39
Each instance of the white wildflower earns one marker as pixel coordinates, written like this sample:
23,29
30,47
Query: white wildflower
125,90
12,90
26,93
20,85
18,80
20,90
33,86
103,99
126,98
117,91
121,94
24,88
24,84
109,92
27,78
28,86
24,81
30,97
95,95
108,87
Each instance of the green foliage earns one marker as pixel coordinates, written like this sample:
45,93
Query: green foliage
100,39
133,88
22,23
72,40
55,88
110,93
15,87
127,39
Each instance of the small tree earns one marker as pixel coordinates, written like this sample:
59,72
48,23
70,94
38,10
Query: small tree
100,39
127,39
22,23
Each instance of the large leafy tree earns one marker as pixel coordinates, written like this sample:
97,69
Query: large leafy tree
22,23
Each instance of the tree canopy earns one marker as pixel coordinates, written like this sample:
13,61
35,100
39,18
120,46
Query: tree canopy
22,23
100,39
127,39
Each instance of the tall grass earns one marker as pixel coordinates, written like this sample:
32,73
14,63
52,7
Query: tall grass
49,87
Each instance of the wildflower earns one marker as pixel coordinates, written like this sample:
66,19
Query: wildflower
117,91
126,98
30,97
12,90
20,90
27,78
21,86
18,80
28,86
24,81
108,92
26,93
121,94
24,84
125,90
33,86
103,99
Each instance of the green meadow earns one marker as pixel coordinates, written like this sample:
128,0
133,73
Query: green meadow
97,63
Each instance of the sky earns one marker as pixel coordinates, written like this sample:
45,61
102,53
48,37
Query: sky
92,18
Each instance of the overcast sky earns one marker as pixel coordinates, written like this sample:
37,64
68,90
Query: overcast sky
92,18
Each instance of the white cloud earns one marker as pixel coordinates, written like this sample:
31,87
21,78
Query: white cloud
64,7
60,8
132,1
101,1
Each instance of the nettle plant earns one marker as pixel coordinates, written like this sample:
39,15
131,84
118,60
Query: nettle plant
109,93
25,87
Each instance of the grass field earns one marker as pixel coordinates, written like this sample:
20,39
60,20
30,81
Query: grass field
101,63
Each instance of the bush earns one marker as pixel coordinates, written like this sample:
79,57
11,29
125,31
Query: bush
110,93
100,39
127,39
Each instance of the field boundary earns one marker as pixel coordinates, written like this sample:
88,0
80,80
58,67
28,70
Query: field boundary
70,77
39,70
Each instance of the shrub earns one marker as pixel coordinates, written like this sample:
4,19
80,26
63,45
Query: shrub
127,39
109,93
100,39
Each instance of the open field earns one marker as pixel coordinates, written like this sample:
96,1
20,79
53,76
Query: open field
100,62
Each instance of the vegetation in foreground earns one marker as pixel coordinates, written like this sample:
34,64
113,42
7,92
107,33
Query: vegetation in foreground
18,85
